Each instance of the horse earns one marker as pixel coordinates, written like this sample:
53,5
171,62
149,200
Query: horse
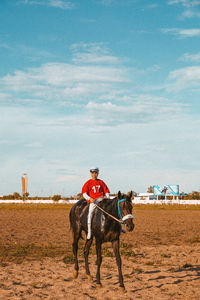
104,229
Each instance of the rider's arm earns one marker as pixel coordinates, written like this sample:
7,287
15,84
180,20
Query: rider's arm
88,198
106,190
85,195
85,191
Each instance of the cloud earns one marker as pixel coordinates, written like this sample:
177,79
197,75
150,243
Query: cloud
51,3
93,72
182,33
62,82
139,112
189,13
95,53
29,53
4,46
185,78
190,7
190,57
89,88
185,3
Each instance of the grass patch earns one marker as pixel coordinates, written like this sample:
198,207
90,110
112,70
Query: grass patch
68,259
127,252
166,255
126,249
69,206
18,253
149,263
157,238
125,245
106,252
22,206
137,270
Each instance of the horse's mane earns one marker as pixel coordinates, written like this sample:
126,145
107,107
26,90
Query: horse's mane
106,203
109,204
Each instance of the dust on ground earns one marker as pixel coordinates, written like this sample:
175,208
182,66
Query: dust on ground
160,258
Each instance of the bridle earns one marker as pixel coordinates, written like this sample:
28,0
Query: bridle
129,216
122,219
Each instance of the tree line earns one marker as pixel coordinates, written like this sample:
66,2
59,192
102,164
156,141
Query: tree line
194,195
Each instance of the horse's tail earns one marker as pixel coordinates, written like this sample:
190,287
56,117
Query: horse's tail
72,219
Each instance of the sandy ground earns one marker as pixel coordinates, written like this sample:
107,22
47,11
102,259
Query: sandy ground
161,258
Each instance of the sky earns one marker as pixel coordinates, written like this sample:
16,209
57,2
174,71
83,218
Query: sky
107,83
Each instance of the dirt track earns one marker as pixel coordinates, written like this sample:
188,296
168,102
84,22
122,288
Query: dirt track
161,258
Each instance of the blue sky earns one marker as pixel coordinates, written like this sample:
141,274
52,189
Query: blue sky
112,83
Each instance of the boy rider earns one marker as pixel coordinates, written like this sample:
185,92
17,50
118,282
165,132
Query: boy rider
94,190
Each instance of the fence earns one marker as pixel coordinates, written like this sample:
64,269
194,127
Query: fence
135,201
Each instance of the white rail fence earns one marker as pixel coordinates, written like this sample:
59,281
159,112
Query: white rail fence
189,202
135,201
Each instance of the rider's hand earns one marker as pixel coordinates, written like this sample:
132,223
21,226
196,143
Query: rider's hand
92,200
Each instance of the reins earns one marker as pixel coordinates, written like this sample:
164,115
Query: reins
105,212
122,219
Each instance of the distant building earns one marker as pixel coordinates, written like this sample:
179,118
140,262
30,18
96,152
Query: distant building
145,196
24,184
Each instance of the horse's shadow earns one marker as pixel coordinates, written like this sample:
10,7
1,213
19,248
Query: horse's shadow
190,276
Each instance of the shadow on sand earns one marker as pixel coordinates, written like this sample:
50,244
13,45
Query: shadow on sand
192,274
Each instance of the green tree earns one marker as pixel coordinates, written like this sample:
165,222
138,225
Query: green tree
150,189
56,197
8,197
16,195
194,195
79,196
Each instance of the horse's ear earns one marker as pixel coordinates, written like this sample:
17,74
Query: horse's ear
129,195
119,195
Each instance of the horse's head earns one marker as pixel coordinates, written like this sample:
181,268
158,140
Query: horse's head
125,209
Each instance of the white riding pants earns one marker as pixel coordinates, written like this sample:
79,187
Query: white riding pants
90,212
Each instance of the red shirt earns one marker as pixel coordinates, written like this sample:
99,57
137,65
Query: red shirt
95,188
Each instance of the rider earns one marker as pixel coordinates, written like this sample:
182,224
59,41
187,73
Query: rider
94,190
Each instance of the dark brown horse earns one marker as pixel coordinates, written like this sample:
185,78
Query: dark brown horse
104,229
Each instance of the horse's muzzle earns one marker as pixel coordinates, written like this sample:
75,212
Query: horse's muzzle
128,220
130,226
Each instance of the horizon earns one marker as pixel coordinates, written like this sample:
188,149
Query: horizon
110,83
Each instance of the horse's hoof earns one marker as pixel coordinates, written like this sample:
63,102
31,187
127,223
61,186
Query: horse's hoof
89,277
98,285
122,289
75,274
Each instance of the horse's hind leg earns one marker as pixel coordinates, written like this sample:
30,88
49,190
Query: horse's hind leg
99,260
86,253
75,250
118,260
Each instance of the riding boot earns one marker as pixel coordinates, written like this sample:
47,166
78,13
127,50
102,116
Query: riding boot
91,208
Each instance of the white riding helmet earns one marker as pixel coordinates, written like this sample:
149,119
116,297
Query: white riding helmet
94,169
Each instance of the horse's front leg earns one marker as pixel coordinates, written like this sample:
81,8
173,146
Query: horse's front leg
99,260
118,260
86,253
